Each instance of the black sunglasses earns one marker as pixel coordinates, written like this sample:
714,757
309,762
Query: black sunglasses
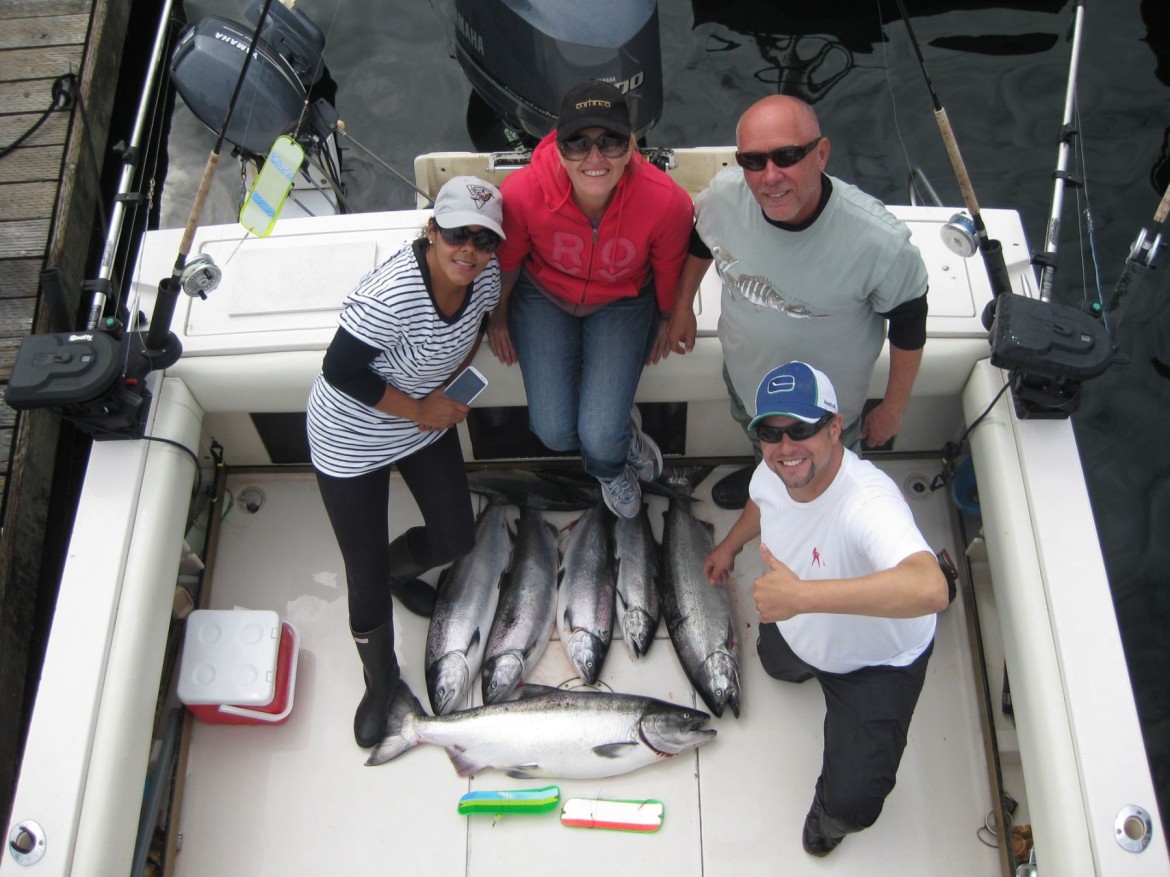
486,241
798,432
785,156
610,145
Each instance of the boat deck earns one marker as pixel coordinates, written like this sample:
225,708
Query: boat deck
297,798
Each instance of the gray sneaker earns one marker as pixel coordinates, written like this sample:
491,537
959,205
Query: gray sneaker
622,494
644,457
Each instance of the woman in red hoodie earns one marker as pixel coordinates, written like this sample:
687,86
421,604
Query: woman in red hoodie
595,239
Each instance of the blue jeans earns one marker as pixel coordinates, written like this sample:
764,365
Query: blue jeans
580,373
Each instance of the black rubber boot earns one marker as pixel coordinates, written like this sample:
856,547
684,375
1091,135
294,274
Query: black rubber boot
413,593
380,665
731,491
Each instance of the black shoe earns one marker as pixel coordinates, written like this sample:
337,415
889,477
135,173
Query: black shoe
814,839
731,491
415,595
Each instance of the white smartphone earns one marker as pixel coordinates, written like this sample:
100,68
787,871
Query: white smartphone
468,384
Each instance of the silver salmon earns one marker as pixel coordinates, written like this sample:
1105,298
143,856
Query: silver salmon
548,732
468,593
698,613
527,609
639,581
585,602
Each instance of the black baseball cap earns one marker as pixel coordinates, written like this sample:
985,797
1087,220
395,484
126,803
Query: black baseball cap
593,104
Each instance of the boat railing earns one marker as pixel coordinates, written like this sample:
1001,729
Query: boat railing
920,191
691,167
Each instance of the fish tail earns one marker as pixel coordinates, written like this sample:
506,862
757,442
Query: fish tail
684,479
400,730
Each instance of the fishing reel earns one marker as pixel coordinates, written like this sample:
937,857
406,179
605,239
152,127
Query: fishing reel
1145,248
200,276
959,235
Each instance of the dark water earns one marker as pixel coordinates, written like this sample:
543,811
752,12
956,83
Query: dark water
1001,72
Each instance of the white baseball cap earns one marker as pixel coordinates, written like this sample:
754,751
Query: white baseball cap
470,201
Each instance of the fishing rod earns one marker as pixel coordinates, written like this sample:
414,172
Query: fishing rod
990,250
162,348
341,129
1047,259
1141,258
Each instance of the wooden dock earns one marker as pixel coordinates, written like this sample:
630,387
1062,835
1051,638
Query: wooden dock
59,62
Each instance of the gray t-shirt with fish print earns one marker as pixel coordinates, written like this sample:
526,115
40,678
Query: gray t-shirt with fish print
815,294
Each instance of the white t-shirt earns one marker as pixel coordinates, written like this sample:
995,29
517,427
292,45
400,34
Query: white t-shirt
860,525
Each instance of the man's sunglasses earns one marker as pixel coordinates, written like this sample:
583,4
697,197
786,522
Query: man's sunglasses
609,145
798,432
785,156
485,241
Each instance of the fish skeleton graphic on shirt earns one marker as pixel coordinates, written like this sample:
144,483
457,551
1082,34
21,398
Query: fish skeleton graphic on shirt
755,288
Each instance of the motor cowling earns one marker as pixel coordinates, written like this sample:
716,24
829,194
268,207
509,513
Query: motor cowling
522,55
286,65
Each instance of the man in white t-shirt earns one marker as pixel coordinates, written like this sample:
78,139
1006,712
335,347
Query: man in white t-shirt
848,595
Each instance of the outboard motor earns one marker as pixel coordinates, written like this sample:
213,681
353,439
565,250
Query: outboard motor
522,55
285,69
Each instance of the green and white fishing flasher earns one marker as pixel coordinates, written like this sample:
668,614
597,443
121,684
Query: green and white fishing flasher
268,194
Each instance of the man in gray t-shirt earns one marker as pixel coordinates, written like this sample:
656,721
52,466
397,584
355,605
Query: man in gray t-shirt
812,269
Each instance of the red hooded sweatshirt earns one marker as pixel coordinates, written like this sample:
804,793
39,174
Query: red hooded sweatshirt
645,229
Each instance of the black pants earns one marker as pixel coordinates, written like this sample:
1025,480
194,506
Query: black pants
359,510
867,716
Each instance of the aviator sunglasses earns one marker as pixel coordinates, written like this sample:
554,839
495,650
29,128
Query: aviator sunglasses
485,241
610,145
785,156
798,432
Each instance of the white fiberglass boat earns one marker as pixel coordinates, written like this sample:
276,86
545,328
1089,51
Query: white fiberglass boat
117,776
296,798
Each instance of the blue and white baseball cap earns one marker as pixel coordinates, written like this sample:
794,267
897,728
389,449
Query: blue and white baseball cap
795,389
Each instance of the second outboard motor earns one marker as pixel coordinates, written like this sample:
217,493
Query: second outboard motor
286,66
522,55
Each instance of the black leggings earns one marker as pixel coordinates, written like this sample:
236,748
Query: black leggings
359,510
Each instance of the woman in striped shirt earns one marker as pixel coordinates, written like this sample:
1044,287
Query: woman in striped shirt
409,327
